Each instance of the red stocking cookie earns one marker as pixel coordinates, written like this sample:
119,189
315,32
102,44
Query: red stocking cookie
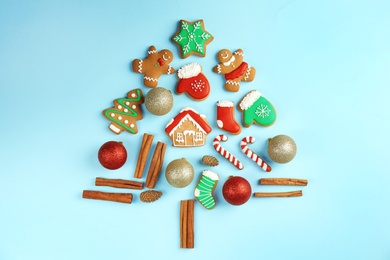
193,82
234,68
225,117
125,113
156,64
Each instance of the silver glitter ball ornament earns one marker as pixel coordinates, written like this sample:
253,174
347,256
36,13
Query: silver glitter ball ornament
281,149
159,101
179,173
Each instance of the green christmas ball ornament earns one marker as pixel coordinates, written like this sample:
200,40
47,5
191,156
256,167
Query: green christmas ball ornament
179,173
159,101
281,148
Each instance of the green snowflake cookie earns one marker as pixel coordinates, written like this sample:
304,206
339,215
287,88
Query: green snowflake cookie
257,109
192,38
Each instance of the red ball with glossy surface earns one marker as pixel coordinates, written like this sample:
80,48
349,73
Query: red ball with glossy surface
236,190
112,155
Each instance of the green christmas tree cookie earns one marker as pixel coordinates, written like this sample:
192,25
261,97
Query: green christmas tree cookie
257,109
205,188
125,113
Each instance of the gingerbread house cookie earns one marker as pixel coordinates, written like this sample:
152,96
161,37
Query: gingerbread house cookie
188,129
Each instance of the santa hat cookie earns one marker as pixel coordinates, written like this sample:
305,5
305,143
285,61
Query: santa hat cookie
225,117
193,82
257,109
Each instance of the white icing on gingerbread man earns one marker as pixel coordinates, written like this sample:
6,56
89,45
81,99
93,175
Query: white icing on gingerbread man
234,68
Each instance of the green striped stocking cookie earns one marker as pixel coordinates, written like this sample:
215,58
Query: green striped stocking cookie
204,189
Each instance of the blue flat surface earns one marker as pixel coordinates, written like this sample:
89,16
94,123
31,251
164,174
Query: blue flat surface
323,64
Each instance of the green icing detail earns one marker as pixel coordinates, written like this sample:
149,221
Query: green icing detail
192,37
261,111
205,187
131,112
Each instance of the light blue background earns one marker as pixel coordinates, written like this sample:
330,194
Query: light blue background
323,64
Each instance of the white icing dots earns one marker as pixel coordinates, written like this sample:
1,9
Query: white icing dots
126,121
127,103
119,107
112,114
119,117
133,95
132,125
134,106
125,110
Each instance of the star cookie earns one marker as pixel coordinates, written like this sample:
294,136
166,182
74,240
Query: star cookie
192,38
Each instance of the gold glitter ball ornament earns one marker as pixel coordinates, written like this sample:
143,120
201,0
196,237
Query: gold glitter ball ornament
179,173
281,148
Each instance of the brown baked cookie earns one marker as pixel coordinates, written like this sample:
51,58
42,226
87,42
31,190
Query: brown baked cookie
125,113
234,68
192,38
156,64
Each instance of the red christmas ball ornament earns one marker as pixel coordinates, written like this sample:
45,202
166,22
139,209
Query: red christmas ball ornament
236,190
112,155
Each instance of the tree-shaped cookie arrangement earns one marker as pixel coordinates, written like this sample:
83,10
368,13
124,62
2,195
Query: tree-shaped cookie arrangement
125,113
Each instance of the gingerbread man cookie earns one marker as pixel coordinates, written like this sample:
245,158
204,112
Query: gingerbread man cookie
234,68
156,64
125,113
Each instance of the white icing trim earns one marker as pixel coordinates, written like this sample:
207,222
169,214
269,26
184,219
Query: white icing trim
249,99
198,127
232,82
150,79
114,129
140,66
227,63
211,175
189,71
225,103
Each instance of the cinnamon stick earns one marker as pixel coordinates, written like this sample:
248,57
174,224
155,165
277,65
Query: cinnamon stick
283,181
156,165
187,224
296,193
119,183
143,155
116,197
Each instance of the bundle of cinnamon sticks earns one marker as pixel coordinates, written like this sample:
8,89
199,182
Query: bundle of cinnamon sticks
151,179
281,181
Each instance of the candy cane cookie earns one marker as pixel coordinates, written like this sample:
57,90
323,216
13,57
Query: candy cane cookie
231,158
248,152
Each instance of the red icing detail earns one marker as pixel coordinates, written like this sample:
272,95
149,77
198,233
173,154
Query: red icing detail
226,116
161,61
195,116
197,87
237,72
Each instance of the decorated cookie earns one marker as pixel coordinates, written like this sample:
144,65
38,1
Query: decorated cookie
234,68
188,129
225,117
125,113
193,82
257,109
192,38
156,64
205,188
